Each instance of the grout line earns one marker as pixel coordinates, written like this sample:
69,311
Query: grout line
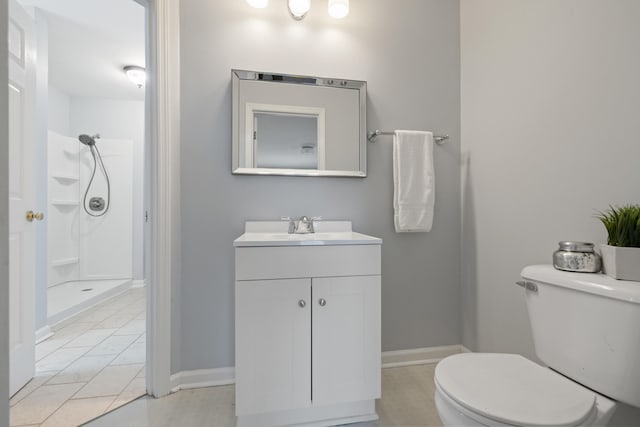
54,411
71,337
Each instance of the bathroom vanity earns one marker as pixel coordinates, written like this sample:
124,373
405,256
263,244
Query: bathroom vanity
307,325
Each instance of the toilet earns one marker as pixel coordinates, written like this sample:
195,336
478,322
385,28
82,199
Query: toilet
585,329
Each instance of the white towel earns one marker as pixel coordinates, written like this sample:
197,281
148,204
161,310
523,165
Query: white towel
413,179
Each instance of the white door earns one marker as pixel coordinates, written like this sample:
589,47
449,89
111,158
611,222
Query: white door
346,339
22,243
273,345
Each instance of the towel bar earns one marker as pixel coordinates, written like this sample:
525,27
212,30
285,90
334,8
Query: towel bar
371,136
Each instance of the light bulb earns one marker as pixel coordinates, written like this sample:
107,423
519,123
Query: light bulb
338,8
299,8
258,4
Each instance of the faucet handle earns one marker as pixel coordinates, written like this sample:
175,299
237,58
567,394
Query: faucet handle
311,222
292,223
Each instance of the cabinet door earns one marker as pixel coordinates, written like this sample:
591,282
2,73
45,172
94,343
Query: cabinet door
273,345
346,339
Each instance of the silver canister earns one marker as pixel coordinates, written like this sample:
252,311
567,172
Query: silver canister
577,256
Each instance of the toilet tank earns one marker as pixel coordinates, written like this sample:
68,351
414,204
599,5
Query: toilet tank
587,327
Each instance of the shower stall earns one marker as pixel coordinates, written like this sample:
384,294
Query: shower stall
90,221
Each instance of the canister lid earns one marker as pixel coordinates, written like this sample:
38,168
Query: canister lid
576,246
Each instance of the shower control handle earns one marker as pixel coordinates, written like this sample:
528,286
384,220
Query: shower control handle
31,215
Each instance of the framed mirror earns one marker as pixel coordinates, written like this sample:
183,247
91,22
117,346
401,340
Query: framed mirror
298,125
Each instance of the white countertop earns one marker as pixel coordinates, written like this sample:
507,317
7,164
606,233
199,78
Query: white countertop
328,233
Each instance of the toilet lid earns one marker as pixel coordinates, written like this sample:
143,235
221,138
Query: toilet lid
513,390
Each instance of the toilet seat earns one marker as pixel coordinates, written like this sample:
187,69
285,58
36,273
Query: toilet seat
509,389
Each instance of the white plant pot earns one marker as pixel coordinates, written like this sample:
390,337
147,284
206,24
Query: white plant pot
621,263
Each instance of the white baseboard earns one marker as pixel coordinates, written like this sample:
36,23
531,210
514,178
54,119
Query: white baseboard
43,333
139,283
201,378
420,356
390,359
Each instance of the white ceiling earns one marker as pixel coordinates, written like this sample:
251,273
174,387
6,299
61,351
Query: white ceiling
89,43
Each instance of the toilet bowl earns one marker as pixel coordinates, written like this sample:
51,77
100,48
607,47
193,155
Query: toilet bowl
584,329
507,390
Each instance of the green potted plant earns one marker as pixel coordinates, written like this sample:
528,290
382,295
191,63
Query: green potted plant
621,256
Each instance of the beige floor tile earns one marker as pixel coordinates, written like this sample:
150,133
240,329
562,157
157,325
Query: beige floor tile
72,329
77,411
209,407
60,359
142,338
407,401
90,338
70,369
136,388
135,353
82,370
142,373
134,327
96,315
35,382
111,381
117,321
115,344
41,403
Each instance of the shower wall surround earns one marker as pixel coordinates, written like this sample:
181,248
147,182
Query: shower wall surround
81,247
409,56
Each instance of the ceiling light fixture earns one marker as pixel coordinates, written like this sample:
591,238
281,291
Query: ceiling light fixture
258,4
136,74
299,8
338,8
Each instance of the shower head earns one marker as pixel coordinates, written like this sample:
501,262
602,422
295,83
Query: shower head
88,140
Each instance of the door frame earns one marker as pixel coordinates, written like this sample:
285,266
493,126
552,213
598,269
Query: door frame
162,136
162,139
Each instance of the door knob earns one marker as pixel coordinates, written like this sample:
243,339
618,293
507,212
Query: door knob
31,215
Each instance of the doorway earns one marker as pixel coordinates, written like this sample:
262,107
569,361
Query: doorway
90,294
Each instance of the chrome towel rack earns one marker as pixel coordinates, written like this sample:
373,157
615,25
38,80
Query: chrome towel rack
372,135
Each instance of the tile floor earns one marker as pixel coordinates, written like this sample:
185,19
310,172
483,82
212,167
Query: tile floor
407,401
93,363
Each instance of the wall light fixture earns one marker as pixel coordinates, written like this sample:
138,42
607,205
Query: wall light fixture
338,8
299,8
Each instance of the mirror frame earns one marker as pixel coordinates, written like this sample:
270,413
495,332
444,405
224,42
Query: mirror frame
237,135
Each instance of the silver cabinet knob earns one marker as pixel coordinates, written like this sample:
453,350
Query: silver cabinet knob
302,303
322,302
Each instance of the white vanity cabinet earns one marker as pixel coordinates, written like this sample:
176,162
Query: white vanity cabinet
307,329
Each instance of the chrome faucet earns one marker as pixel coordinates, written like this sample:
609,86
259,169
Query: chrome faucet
302,225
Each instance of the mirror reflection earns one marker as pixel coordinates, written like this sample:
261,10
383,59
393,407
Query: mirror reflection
298,125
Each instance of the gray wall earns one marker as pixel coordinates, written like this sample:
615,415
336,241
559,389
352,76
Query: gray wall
550,129
409,56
